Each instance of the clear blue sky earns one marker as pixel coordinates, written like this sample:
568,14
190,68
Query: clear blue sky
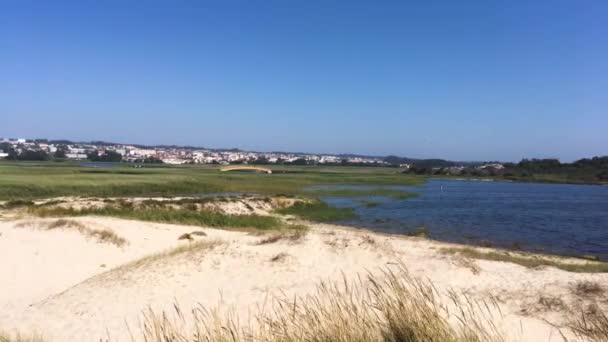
465,80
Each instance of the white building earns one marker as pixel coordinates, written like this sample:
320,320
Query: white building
76,155
142,152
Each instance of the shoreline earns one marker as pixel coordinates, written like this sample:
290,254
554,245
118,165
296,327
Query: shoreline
247,199
475,244
460,245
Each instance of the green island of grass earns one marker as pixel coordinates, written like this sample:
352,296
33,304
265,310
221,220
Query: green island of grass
177,216
318,211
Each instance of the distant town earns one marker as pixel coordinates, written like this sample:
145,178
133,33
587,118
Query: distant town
587,170
44,149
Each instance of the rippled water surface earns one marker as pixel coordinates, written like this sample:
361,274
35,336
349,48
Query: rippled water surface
554,218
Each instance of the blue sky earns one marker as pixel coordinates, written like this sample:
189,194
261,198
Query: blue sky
466,80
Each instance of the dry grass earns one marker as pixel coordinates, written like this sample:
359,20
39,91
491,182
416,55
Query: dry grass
190,236
291,236
279,257
367,240
551,303
528,260
467,263
590,326
6,337
100,235
338,243
588,289
392,306
188,251
545,303
185,236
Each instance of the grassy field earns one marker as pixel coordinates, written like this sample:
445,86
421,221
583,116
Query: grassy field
29,180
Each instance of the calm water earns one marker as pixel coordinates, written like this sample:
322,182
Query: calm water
553,218
100,164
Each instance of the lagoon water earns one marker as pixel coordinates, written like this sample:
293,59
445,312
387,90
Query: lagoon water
100,164
552,218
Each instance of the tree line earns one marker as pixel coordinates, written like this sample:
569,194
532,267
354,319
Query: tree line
587,170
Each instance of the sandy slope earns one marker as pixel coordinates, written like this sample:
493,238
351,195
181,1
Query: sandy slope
70,287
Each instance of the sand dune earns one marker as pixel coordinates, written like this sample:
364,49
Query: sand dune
72,287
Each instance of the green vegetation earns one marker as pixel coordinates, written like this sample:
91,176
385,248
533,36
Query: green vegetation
362,193
370,204
593,170
107,156
420,232
16,204
13,154
178,216
29,180
583,171
531,261
318,211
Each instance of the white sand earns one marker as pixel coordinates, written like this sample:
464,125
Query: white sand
60,283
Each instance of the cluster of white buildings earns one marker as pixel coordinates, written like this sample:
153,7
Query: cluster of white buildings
176,155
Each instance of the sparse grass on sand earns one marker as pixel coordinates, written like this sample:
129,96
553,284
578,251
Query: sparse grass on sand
392,306
590,326
318,211
177,216
188,252
100,235
6,337
530,261
588,289
291,236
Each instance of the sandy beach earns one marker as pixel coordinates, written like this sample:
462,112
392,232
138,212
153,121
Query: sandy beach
70,285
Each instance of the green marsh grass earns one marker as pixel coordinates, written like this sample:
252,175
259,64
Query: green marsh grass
176,216
23,180
318,211
12,204
370,204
